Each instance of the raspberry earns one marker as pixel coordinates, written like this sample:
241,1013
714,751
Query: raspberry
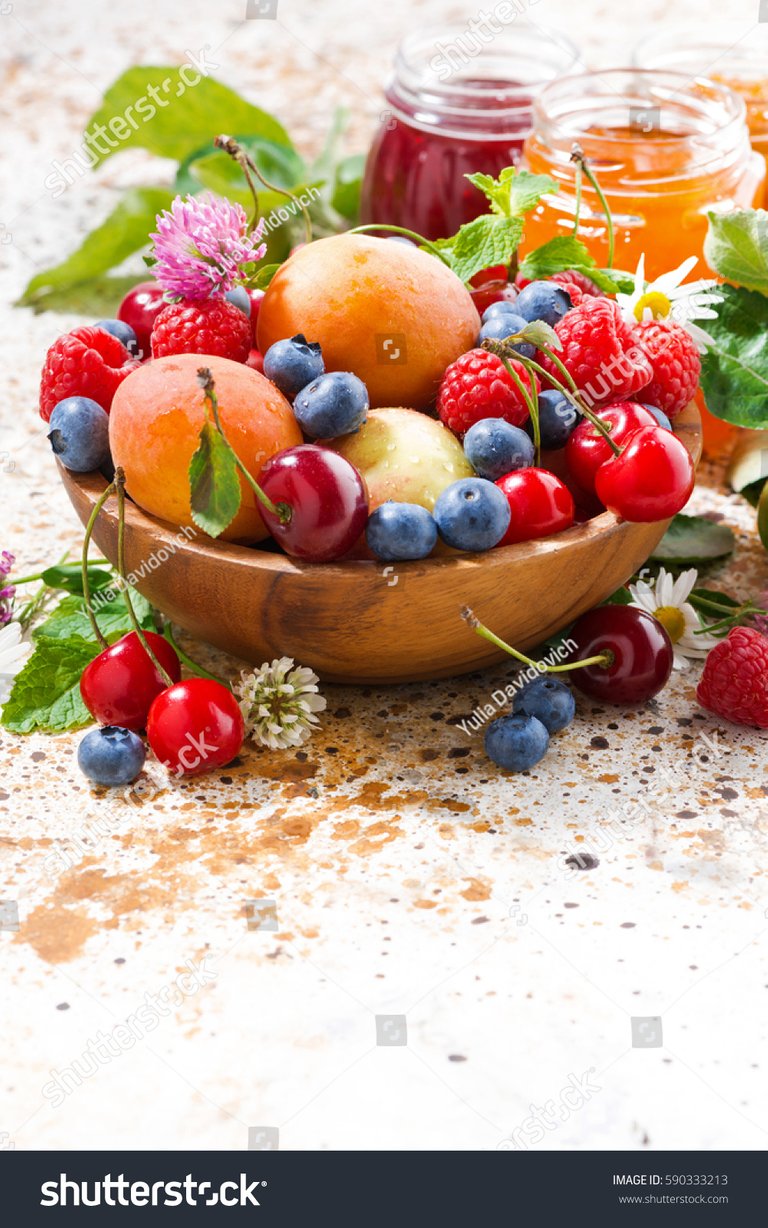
206,326
600,353
676,364
572,277
88,362
477,386
572,289
734,683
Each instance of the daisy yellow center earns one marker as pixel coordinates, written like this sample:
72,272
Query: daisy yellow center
672,620
658,303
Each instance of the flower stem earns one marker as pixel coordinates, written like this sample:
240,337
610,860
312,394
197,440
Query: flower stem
101,639
400,230
119,485
577,156
605,658
282,511
192,666
249,168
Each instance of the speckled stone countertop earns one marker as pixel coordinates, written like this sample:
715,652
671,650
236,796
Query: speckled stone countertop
271,930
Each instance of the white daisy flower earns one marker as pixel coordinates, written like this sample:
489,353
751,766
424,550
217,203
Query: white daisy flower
666,598
668,298
279,703
14,651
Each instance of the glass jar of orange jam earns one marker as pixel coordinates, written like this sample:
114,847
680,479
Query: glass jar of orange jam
742,65
666,148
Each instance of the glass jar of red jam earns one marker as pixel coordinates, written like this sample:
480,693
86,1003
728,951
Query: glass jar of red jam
667,148
739,63
459,102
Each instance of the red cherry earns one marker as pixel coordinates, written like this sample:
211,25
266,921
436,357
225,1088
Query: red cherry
495,272
540,504
195,726
501,291
640,651
587,449
327,497
652,479
255,297
139,308
119,686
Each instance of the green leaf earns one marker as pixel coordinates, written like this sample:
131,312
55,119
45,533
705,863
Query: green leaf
263,276
214,482
69,620
567,252
736,247
734,370
540,334
46,694
694,539
489,239
125,231
514,192
347,185
69,576
712,594
153,108
215,171
622,596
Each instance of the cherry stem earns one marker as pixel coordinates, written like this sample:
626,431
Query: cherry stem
249,168
192,666
100,637
532,405
579,185
283,511
372,227
605,658
119,485
577,156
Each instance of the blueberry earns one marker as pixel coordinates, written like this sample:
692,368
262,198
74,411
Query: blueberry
659,415
548,700
293,363
558,418
79,434
332,405
239,296
502,307
543,300
111,756
501,325
494,447
401,531
472,514
123,332
516,742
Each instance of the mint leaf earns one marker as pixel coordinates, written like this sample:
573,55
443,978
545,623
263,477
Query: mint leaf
125,231
70,621
69,576
736,247
46,694
734,370
514,192
694,539
214,482
180,119
567,252
488,240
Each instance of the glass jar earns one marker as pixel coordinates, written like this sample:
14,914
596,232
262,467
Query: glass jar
742,65
459,101
666,150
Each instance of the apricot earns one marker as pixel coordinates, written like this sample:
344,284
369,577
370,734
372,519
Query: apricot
156,420
393,314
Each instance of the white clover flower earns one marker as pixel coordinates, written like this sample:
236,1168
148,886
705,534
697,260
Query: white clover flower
666,598
279,703
669,298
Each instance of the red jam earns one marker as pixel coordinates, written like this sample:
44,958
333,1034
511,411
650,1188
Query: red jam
458,103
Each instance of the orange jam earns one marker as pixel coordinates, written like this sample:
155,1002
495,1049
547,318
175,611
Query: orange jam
666,150
741,63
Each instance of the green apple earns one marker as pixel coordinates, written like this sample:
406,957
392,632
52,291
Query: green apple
405,456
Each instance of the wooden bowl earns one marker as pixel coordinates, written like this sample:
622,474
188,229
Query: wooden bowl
362,622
